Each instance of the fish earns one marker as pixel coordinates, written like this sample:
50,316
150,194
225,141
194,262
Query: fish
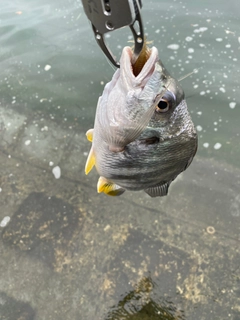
143,135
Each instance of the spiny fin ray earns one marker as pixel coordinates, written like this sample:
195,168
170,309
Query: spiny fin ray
89,135
158,191
90,162
109,188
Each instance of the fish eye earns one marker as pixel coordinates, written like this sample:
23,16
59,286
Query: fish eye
163,106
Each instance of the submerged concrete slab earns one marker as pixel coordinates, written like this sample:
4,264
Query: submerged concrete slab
70,253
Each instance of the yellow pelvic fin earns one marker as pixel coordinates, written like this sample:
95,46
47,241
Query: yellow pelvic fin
89,135
109,188
90,162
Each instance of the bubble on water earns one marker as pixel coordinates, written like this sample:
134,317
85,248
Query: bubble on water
51,163
56,172
232,105
4,221
219,39
199,113
222,89
47,67
195,86
217,146
239,39
202,93
199,128
190,50
173,46
188,39
228,46
202,45
157,31
206,144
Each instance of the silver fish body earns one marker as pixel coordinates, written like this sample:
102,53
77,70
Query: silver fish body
143,134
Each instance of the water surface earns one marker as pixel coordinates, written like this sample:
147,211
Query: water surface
70,253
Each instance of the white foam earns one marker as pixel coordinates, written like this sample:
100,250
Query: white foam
173,46
4,221
206,144
56,172
199,128
47,67
232,105
202,29
217,146
27,142
188,39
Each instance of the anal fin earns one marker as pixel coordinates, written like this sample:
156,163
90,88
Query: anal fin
109,188
158,191
90,162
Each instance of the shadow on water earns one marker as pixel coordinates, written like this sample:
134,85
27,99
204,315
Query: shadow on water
141,304
43,227
12,309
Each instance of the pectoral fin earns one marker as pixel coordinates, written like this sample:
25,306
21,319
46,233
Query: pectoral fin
109,188
158,191
89,135
90,162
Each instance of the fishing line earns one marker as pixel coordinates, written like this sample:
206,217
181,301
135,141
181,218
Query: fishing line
189,74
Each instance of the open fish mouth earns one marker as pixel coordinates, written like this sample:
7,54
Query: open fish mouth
142,69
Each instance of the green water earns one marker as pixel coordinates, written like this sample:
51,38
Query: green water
70,253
